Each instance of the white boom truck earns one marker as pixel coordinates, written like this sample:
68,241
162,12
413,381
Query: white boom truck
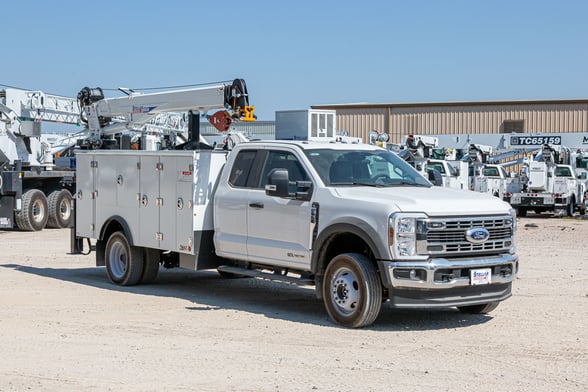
489,177
354,220
419,153
34,192
550,185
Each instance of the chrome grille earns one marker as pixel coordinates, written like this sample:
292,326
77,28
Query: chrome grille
444,237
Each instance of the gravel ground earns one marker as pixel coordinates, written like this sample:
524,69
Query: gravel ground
64,327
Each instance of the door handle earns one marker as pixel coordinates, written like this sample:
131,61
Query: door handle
256,205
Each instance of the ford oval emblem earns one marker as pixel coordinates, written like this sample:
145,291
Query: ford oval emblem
477,235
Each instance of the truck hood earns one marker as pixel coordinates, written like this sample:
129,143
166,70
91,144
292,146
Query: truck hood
432,201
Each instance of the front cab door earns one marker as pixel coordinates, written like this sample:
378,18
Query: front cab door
279,229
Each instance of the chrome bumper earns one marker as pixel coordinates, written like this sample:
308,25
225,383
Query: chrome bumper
430,274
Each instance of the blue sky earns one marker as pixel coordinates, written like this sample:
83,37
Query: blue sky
294,54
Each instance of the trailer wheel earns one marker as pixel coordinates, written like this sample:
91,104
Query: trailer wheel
478,309
151,266
33,215
124,263
352,291
60,209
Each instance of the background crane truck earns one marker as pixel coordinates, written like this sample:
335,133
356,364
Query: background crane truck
354,220
34,192
423,154
550,184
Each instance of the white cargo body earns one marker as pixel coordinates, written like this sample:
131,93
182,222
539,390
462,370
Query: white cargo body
164,196
310,124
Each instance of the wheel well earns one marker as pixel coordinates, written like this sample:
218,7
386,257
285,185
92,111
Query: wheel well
340,243
109,228
336,244
113,225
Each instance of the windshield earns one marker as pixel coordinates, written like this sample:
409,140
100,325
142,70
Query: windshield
360,167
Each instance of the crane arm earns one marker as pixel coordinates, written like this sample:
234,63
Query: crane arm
107,116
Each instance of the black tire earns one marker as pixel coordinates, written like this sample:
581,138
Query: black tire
124,263
521,212
479,309
152,258
352,291
60,209
571,207
33,214
230,275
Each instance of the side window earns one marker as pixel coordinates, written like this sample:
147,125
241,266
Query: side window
242,168
491,172
437,166
563,172
283,160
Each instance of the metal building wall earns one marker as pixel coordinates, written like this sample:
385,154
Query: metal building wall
460,118
361,122
541,118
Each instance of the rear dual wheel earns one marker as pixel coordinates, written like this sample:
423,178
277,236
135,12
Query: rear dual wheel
33,214
60,209
129,265
124,262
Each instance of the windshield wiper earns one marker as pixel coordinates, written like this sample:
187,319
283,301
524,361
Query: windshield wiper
371,184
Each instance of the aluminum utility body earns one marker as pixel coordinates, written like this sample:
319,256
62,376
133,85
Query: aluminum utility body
356,221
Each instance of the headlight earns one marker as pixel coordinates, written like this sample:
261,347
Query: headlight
402,238
513,214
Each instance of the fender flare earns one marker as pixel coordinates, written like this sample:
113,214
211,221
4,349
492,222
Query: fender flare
122,222
354,226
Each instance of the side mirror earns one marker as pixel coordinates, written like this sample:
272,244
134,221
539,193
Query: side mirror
435,177
279,184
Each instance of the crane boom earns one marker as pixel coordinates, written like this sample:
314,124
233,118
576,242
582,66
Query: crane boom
21,115
108,116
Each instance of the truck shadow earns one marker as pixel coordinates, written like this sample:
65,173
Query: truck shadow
207,291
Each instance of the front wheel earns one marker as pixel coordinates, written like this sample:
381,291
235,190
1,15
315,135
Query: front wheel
124,263
352,291
478,309
570,208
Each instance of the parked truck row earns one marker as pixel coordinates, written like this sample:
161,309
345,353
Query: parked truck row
552,178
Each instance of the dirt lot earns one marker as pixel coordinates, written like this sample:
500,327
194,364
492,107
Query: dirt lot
64,327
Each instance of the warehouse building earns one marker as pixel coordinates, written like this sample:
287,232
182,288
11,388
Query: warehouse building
462,118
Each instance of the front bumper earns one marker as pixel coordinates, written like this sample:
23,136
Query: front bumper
447,282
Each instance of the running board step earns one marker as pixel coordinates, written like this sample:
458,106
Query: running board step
264,275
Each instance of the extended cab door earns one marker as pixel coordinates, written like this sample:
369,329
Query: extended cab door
230,206
279,229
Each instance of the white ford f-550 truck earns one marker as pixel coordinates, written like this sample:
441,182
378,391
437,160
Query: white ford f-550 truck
356,221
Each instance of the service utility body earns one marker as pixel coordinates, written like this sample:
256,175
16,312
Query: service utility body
354,220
